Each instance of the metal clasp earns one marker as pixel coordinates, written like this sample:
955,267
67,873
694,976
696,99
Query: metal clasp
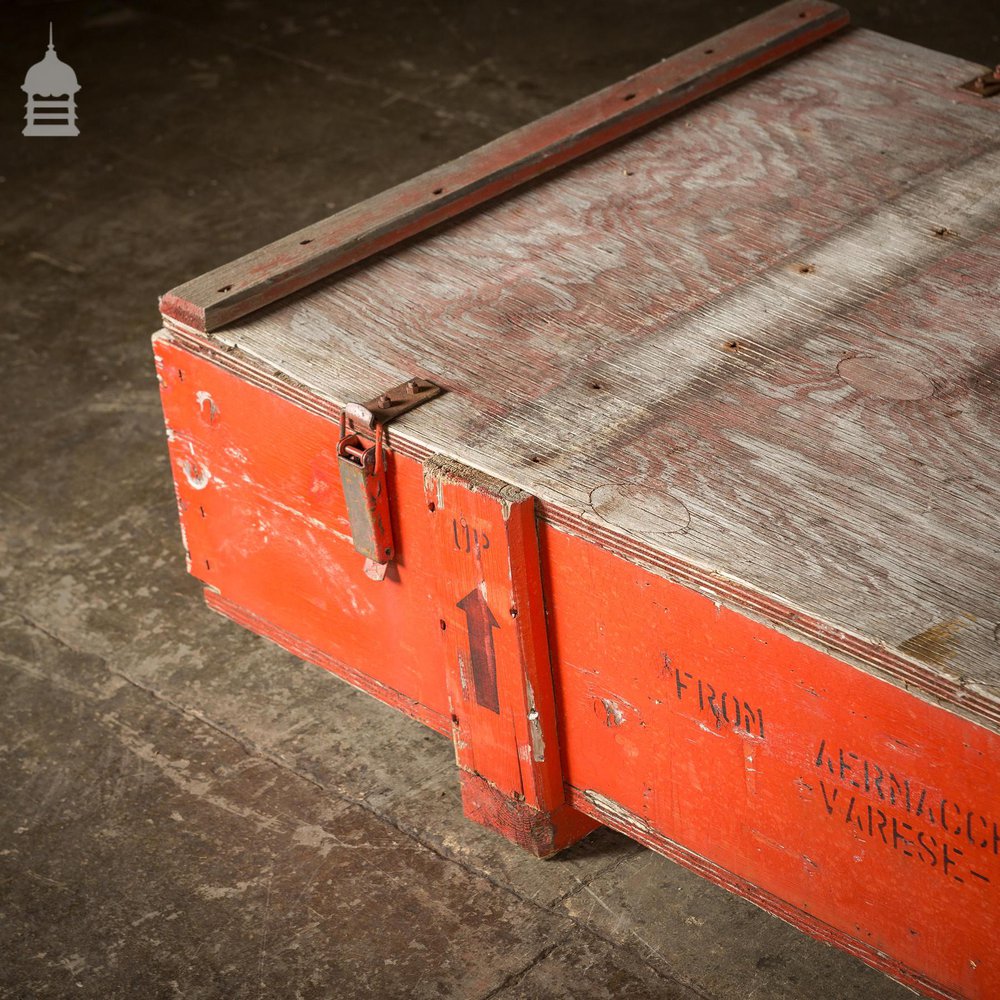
362,466
985,85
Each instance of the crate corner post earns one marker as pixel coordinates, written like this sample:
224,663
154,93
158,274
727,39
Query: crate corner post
495,652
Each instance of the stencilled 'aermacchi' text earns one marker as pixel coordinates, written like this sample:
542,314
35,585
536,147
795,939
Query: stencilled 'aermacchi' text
949,837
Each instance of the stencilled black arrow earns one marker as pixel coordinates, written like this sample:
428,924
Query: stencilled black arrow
482,652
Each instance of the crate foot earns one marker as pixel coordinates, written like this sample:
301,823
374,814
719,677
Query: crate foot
542,833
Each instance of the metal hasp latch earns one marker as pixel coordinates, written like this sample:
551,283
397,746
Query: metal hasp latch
986,85
362,468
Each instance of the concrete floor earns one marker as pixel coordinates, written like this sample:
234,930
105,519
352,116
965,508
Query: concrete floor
185,810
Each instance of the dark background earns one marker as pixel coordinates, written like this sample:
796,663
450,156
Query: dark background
184,809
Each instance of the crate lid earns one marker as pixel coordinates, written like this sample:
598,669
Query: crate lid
753,347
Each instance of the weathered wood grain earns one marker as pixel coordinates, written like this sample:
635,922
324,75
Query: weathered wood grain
755,347
291,263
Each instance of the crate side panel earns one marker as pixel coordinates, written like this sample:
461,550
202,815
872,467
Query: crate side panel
862,807
265,525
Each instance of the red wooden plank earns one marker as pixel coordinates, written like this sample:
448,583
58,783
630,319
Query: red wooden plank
242,286
496,658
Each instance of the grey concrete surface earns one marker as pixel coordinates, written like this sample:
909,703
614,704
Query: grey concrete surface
185,810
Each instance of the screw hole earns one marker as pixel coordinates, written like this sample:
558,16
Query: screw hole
438,190
432,507
303,243
806,268
443,624
629,97
513,612
708,52
536,458
596,386
225,288
454,719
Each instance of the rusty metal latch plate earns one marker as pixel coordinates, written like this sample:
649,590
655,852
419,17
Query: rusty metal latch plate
362,468
394,403
985,85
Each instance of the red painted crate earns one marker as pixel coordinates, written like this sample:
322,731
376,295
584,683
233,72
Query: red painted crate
699,540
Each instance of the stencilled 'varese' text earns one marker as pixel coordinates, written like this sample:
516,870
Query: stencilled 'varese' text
949,837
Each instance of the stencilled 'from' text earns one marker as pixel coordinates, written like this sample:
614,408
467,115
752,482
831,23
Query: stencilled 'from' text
724,708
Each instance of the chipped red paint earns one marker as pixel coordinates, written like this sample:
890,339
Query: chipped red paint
266,527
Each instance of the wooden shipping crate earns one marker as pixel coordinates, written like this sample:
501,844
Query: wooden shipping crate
699,540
